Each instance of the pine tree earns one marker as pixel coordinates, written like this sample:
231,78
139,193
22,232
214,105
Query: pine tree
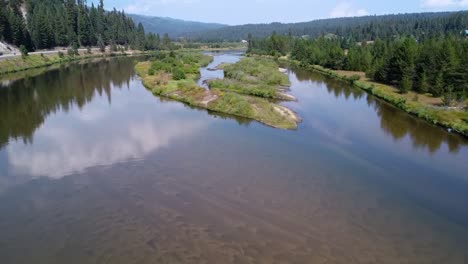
423,83
405,84
100,20
4,25
41,29
24,51
402,62
72,16
249,43
93,21
84,25
101,44
438,87
140,37
61,37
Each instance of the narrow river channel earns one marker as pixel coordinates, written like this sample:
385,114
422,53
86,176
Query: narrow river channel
95,169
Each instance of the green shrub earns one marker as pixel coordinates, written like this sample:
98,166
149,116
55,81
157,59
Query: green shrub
73,50
232,103
24,51
70,52
178,74
448,98
158,56
191,69
354,78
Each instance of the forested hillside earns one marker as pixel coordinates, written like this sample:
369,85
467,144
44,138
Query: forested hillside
357,28
41,24
174,27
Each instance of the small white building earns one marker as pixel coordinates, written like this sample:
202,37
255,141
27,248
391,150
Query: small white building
244,41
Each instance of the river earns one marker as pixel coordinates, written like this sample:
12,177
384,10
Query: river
95,169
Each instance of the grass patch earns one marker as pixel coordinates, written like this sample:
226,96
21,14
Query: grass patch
255,108
260,90
256,71
252,76
234,104
34,61
29,62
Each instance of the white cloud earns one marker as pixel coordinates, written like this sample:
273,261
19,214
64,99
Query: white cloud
443,3
147,7
345,9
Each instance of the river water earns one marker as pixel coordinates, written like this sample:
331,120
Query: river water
95,169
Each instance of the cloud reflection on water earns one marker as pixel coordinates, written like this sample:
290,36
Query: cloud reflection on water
66,154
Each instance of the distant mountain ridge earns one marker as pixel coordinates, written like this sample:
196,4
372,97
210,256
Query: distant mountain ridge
174,27
359,28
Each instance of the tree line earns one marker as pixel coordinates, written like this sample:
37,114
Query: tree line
42,24
436,65
357,28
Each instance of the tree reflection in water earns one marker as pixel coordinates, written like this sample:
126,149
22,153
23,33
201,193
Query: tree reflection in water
393,121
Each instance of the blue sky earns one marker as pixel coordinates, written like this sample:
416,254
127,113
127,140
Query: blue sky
236,12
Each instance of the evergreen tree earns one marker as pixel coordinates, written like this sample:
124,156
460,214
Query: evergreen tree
60,30
423,83
249,43
100,20
24,51
4,24
101,44
405,83
72,17
41,29
84,31
140,37
438,86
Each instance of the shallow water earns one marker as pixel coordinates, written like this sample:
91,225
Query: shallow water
210,72
95,169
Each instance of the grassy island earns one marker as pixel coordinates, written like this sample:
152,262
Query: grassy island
174,75
254,76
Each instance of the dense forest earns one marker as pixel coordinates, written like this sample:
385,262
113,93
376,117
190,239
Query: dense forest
41,24
358,28
438,64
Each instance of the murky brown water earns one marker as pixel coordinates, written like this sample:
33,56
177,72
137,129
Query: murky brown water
95,169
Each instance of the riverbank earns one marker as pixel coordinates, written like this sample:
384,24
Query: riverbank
418,105
174,76
34,61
